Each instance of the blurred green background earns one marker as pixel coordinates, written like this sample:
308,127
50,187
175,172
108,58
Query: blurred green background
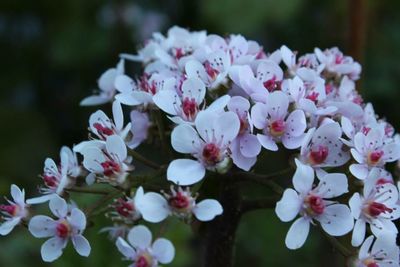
52,53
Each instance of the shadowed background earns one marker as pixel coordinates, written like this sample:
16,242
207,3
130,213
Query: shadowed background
52,53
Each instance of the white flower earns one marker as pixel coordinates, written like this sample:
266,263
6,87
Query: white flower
13,212
69,224
323,147
57,178
371,150
384,252
142,252
106,86
109,163
312,204
377,206
155,208
127,209
208,143
140,125
277,124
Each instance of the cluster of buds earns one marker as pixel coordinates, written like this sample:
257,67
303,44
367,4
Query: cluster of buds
225,101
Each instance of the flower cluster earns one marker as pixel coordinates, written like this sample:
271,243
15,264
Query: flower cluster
223,101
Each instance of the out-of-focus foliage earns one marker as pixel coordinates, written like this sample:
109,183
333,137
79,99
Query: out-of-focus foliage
52,53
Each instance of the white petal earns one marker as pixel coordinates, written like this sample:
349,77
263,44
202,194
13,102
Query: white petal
185,139
358,233
204,123
296,123
41,199
227,126
194,88
360,171
42,226
78,219
94,100
81,245
92,159
194,68
267,142
249,145
140,237
163,250
116,147
355,204
333,185
124,83
289,206
277,105
17,195
118,115
153,207
185,171
218,104
337,220
168,101
207,209
58,206
365,248
106,81
303,178
239,104
125,249
259,115
7,226
52,249
297,233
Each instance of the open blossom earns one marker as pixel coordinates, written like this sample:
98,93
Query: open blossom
383,253
312,203
208,143
142,252
322,147
110,163
277,124
245,147
13,212
57,178
141,92
377,206
69,224
106,86
337,63
155,207
370,150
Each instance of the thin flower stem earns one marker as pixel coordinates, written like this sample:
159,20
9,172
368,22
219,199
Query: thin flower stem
255,204
90,210
88,190
144,160
337,245
161,132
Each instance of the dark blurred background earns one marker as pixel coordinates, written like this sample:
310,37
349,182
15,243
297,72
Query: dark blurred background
52,53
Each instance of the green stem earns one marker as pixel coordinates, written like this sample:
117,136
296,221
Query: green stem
144,160
88,190
161,132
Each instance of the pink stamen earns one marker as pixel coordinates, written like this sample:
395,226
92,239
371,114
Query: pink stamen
211,154
316,204
277,128
313,97
213,73
179,202
272,84
50,181
319,155
63,229
375,209
189,107
110,168
375,157
124,208
10,209
102,130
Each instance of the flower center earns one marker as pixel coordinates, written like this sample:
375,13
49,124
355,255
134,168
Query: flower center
189,107
50,181
313,97
376,208
272,84
10,209
102,130
382,181
63,229
179,202
144,260
213,73
244,125
319,155
146,86
211,154
370,263
179,53
375,157
316,205
124,208
365,130
277,128
110,167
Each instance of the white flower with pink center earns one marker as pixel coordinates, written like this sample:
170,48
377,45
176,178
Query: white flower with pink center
110,163
277,125
14,212
126,209
57,178
305,64
370,150
156,208
337,63
245,147
377,206
70,224
213,71
268,78
142,252
383,253
106,86
312,203
208,142
141,93
323,148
